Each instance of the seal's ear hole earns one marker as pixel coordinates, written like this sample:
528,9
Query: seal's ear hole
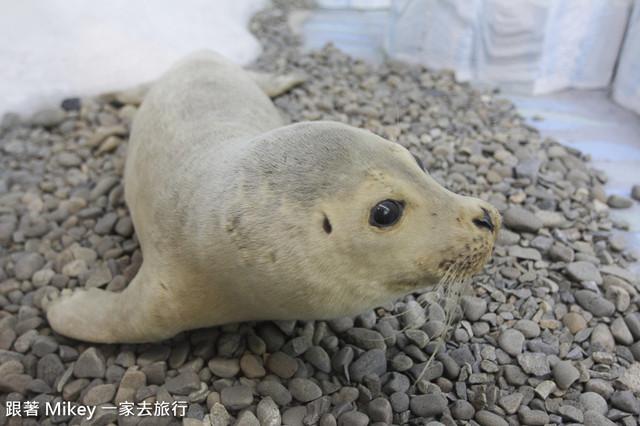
326,225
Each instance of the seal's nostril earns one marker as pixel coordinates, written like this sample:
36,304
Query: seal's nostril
484,221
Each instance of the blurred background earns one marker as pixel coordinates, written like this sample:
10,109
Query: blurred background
571,66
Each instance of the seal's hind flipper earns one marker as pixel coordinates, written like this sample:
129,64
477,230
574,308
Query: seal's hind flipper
141,313
276,84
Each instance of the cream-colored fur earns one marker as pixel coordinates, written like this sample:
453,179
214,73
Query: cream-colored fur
231,209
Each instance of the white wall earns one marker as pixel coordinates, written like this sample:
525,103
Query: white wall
52,49
626,88
529,46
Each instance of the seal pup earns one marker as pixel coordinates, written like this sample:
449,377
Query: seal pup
241,218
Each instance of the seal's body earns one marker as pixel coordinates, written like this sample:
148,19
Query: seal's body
241,218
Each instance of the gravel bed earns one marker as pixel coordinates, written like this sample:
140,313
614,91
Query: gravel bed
547,333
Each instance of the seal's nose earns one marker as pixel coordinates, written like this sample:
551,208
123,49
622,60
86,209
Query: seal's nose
485,221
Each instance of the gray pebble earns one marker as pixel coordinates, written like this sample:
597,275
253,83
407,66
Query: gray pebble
316,409
593,401
48,117
428,405
155,372
224,367
511,403
524,253
15,382
297,346
487,418
533,363
183,384
584,271
268,413
365,338
275,390
635,192
219,415
571,414
532,417
38,386
27,265
619,202
380,410
473,307
100,394
626,401
633,323
236,397
621,332
462,410
251,366
373,361
353,418
511,341
601,387
340,325
90,364
561,253
328,420
319,358
282,365
294,415
528,328
399,402
565,374
44,345
520,219
595,418
228,344
50,367
594,303
304,390
246,418
412,315
601,336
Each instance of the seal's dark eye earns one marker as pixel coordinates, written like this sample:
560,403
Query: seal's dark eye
419,161
385,213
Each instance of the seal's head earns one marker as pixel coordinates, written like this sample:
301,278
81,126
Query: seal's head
358,220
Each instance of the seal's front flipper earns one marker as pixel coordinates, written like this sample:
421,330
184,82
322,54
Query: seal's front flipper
276,84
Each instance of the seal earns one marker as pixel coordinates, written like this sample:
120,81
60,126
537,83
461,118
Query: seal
241,218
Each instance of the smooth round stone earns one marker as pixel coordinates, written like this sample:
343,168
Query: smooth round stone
473,307
602,336
380,410
282,365
511,341
236,397
594,418
353,418
90,364
183,384
593,401
594,303
565,374
373,361
487,418
532,417
528,328
274,390
462,410
304,390
222,367
619,202
574,322
520,219
268,413
428,405
584,271
626,401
